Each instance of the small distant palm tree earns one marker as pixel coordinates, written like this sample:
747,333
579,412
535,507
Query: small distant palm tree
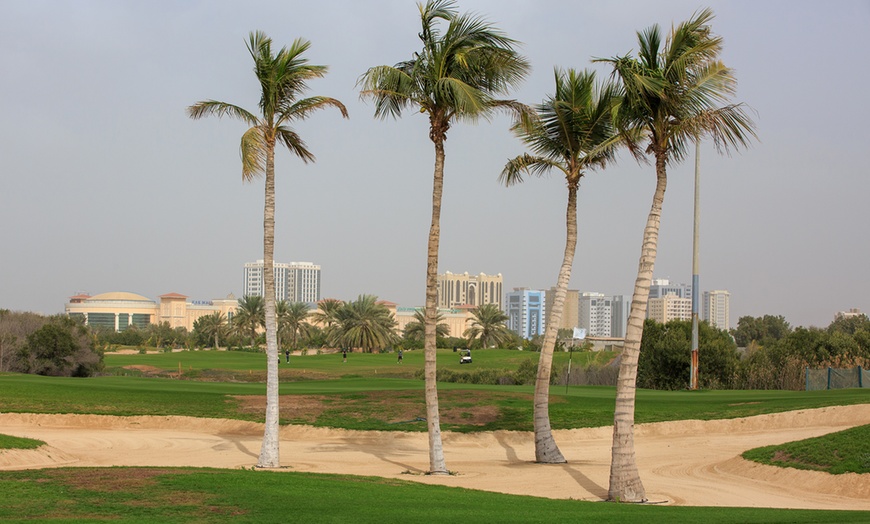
293,321
283,78
212,326
364,323
415,329
488,326
573,133
672,96
456,76
250,316
325,315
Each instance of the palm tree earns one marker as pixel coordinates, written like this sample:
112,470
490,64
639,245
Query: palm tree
364,323
326,312
283,77
487,324
250,316
415,330
573,133
292,320
212,326
455,76
672,96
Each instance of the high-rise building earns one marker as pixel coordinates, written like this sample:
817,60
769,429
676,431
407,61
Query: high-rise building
525,311
294,282
716,308
669,307
619,309
660,287
570,313
455,290
603,315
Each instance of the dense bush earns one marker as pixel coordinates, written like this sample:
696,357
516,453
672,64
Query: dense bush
56,346
666,352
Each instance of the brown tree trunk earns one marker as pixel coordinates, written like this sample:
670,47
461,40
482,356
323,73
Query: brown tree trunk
437,465
269,452
625,483
546,450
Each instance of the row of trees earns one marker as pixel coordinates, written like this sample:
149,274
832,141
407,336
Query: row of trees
673,94
761,353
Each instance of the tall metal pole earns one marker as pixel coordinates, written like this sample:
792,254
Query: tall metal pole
693,380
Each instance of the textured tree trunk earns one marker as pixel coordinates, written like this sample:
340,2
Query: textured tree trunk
269,454
625,484
437,466
546,450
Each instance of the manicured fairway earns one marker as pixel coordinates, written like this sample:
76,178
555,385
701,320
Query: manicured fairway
202,495
372,403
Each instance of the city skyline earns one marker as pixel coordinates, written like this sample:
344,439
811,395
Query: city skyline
109,186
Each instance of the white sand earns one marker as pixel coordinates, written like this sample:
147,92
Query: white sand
692,463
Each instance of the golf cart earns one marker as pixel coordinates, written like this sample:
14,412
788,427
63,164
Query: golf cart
465,356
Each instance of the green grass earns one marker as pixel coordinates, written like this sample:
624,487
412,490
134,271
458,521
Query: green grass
10,442
841,452
379,403
204,495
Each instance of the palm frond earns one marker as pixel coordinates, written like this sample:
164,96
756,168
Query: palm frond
253,152
294,143
512,173
220,109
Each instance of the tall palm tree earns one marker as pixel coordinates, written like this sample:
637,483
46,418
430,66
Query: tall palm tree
573,133
416,329
673,93
457,75
364,323
283,77
292,320
250,316
488,325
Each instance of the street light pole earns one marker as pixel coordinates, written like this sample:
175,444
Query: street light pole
693,379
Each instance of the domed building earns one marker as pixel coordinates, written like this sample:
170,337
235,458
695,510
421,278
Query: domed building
119,310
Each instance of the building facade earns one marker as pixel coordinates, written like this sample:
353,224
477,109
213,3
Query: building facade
669,307
456,290
660,287
525,310
570,312
294,282
119,311
716,308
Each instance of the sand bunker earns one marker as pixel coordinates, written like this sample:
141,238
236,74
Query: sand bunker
692,462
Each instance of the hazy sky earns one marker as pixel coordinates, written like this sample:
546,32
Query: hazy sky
107,185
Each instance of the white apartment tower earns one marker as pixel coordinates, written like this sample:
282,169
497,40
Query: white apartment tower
294,282
716,308
525,311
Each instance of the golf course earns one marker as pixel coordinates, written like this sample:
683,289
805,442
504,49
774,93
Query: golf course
174,436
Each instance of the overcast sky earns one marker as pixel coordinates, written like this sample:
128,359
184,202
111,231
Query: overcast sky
107,185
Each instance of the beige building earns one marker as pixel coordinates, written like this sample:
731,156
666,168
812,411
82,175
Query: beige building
120,310
669,307
570,312
455,318
456,290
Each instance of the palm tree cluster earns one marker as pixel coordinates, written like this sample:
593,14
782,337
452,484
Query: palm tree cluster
363,324
675,93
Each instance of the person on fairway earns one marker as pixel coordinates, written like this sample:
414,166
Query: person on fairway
287,355
400,356
343,355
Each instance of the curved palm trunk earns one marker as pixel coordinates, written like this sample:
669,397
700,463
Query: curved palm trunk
546,450
269,456
437,466
625,484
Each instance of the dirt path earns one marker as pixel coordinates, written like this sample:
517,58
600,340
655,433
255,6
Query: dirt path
694,463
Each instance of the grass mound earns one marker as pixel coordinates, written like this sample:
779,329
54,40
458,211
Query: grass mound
841,452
